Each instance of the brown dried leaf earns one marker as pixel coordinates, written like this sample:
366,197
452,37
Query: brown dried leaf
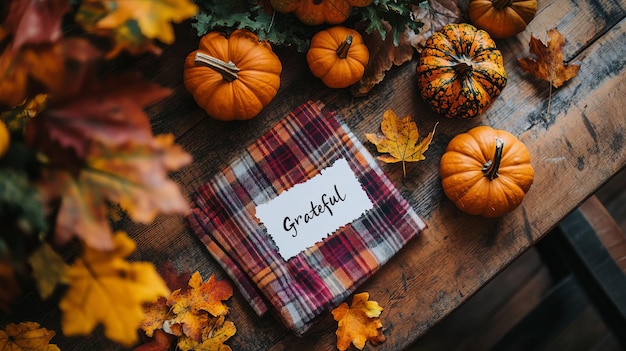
548,61
174,279
384,54
437,14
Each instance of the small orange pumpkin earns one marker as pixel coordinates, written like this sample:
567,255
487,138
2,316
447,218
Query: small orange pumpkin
337,56
232,78
315,12
502,18
460,71
486,171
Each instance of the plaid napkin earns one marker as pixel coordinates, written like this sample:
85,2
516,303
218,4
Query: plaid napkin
308,140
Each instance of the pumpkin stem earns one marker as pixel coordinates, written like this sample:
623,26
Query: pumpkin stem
500,4
462,68
490,168
344,47
228,70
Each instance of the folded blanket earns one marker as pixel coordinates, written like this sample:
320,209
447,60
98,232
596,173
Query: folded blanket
299,288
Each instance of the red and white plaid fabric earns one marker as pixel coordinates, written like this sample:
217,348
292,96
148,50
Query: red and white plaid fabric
308,140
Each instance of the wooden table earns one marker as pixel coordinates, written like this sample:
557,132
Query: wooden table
574,150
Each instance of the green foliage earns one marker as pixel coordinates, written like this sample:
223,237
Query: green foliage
398,13
20,212
286,30
279,29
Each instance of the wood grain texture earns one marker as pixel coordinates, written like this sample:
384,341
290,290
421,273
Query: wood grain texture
574,149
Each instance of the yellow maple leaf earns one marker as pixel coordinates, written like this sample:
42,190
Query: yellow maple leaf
399,140
155,314
213,337
48,269
125,37
26,336
191,306
358,323
153,17
105,288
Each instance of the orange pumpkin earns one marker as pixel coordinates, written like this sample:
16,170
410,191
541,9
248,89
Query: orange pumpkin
315,12
337,56
486,171
232,78
502,18
460,71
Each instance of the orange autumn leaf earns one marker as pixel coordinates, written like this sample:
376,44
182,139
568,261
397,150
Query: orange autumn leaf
399,139
125,37
54,68
358,323
110,111
42,64
548,61
135,176
26,336
213,337
106,289
153,18
155,314
191,307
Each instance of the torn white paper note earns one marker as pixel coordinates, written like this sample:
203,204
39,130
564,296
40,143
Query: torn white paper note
309,212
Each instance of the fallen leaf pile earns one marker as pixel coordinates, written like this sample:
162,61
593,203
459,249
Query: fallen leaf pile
195,313
358,323
26,336
399,139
